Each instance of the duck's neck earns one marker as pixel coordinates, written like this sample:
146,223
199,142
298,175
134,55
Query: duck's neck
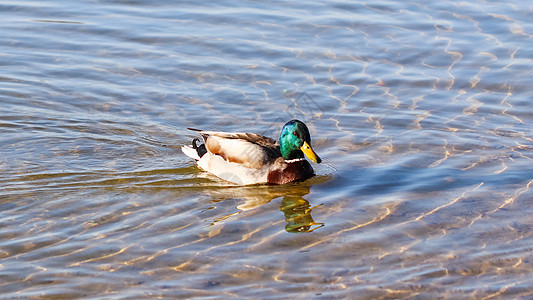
290,153
290,161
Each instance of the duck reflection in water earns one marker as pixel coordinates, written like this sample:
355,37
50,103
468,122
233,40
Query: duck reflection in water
297,213
296,209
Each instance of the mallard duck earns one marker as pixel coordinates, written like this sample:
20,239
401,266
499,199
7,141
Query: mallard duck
249,158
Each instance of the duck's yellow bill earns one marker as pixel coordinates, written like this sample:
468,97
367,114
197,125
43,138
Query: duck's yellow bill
308,151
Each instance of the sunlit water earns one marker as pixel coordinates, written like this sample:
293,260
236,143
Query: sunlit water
420,112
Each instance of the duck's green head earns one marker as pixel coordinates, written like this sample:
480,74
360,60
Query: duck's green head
295,141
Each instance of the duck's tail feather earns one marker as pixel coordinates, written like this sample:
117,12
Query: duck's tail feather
194,151
190,152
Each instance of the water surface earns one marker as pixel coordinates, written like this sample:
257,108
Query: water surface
420,112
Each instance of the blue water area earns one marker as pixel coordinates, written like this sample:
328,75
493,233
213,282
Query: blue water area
419,111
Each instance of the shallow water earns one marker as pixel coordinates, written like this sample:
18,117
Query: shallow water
420,112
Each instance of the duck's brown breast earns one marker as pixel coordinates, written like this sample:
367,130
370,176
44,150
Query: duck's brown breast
290,172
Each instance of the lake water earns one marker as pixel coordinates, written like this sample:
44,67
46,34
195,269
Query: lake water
421,113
